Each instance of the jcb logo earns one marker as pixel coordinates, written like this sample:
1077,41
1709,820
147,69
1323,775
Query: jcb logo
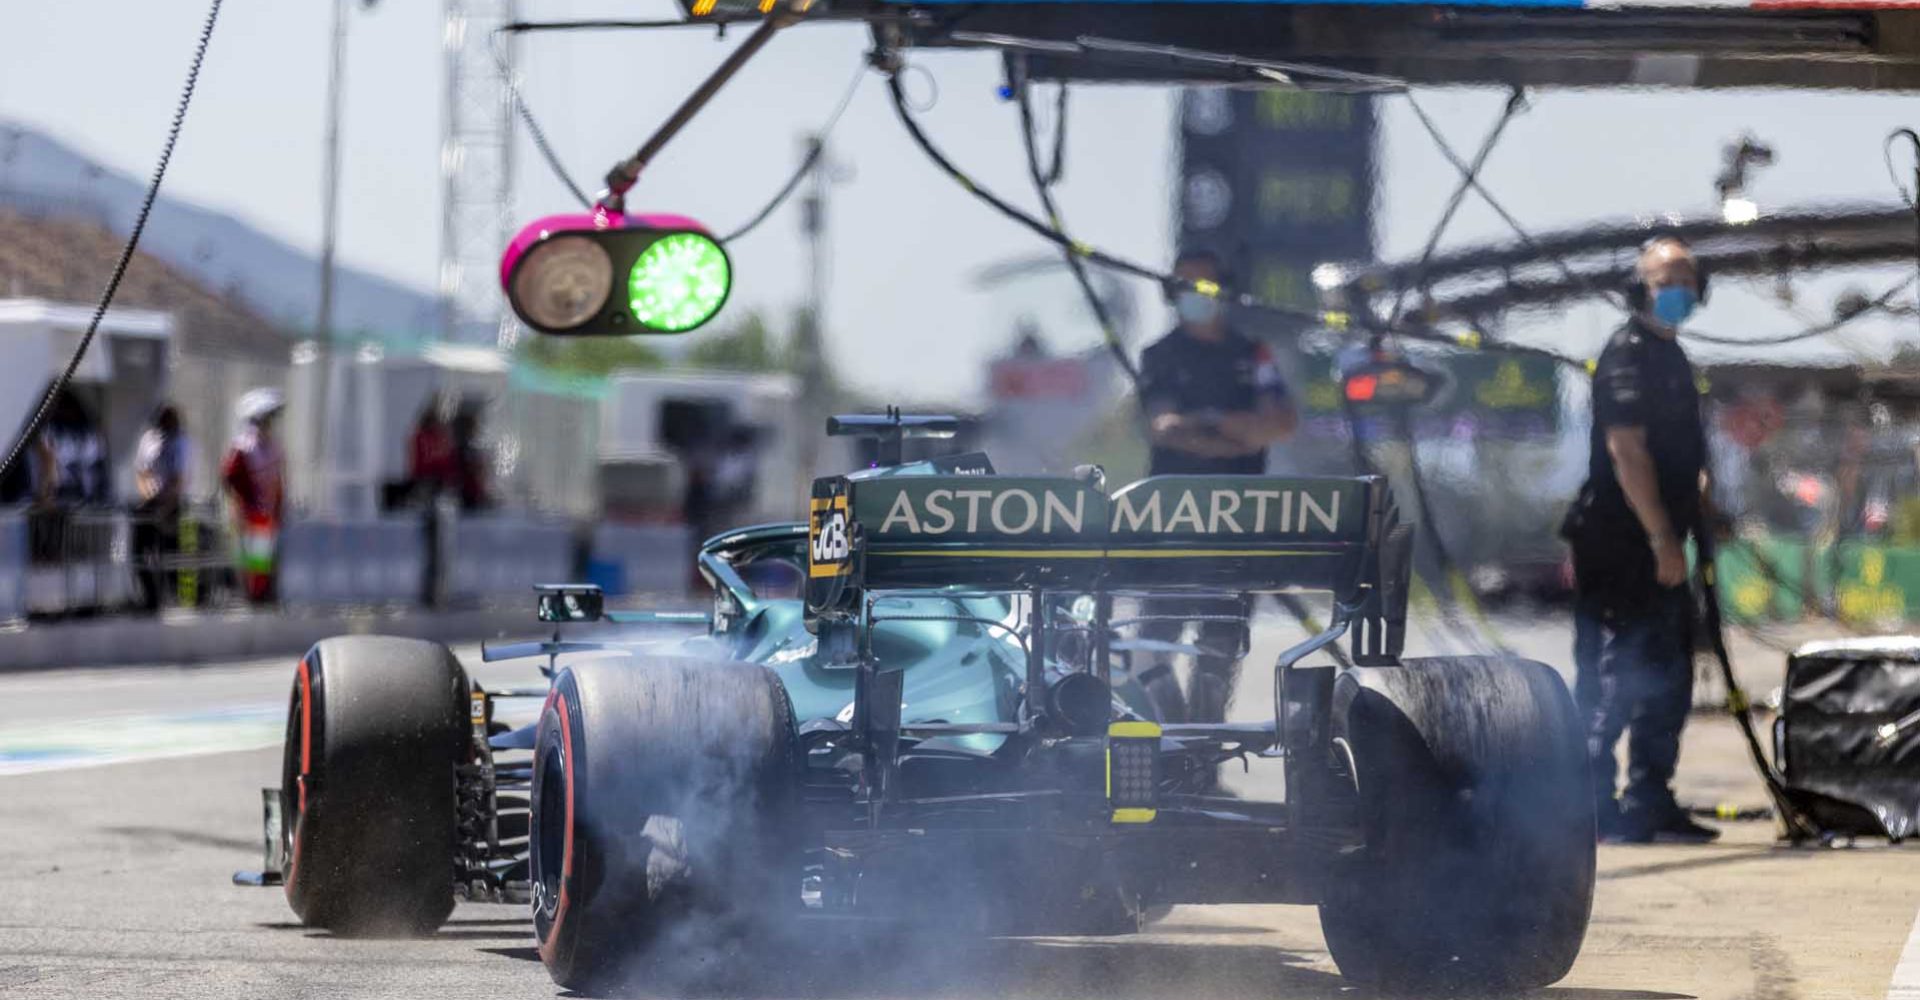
828,544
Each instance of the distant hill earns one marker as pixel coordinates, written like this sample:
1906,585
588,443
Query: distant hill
39,176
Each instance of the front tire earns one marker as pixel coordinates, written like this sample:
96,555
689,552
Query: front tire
376,730
1478,870
663,788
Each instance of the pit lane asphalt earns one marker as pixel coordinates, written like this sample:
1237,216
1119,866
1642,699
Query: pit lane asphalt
114,882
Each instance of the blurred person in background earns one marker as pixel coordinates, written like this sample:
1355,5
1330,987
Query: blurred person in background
469,457
1645,491
29,479
254,476
77,452
160,463
1214,402
433,475
733,473
430,455
699,503
66,468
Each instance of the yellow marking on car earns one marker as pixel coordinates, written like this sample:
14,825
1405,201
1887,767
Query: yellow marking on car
1042,553
1001,553
1129,731
1211,553
829,549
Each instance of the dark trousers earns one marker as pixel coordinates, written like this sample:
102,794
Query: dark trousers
156,536
1589,637
1210,687
1642,686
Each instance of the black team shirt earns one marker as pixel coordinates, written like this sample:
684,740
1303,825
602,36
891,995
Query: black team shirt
1641,380
1184,374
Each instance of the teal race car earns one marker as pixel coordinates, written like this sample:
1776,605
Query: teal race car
927,703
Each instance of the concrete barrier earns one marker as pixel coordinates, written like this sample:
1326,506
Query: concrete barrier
13,565
349,576
492,557
372,561
191,638
643,558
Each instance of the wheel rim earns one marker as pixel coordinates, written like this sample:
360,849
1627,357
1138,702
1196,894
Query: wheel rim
550,829
290,767
296,766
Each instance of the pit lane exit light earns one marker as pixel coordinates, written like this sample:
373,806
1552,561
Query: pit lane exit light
604,273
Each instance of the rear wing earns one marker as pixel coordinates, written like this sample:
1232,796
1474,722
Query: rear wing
1241,533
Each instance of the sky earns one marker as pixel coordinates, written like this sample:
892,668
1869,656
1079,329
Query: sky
904,315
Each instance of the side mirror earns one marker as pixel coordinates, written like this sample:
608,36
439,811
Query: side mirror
571,602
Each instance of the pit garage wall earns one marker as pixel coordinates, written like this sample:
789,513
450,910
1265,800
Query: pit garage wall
489,558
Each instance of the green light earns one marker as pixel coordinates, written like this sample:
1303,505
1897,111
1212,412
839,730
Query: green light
678,283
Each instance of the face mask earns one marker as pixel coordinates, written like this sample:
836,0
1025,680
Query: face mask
1195,308
1674,303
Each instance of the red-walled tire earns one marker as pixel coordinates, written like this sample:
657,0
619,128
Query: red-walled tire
375,731
663,789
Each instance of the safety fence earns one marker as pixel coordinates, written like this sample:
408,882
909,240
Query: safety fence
91,559
57,563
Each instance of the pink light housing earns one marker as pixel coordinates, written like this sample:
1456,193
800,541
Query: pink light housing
598,219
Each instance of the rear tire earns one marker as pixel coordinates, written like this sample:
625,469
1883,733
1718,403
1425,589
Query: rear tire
1478,870
376,729
663,791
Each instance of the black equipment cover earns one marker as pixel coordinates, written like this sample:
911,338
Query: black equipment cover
1839,735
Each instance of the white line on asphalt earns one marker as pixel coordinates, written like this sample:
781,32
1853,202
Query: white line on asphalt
26,748
1906,975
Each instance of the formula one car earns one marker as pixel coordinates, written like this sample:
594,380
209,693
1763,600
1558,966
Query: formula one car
915,705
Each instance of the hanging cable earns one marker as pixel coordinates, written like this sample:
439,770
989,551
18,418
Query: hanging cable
538,134
1454,579
806,163
1443,591
1302,319
1790,804
1873,305
717,24
59,384
1912,199
1469,179
711,23
579,194
1776,578
1036,226
622,176
1042,188
1886,152
1058,167
1460,589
